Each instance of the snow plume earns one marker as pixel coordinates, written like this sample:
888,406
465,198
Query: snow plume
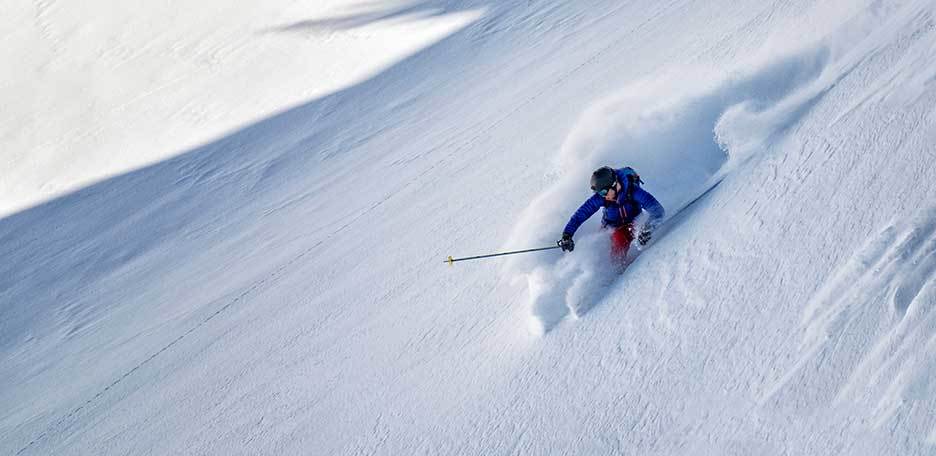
751,122
682,136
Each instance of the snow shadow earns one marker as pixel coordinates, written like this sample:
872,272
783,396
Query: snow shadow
146,207
128,253
67,261
367,13
683,135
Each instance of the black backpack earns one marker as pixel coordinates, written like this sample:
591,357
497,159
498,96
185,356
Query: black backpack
633,182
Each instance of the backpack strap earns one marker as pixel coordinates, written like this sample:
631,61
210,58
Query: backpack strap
633,182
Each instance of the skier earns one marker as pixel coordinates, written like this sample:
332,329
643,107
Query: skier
619,192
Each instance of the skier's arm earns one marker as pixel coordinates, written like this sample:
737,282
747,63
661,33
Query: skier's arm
650,204
586,210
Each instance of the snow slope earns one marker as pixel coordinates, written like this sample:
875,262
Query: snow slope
95,89
280,289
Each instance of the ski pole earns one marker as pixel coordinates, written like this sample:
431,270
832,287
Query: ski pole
452,261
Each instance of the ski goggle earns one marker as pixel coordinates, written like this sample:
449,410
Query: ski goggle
603,192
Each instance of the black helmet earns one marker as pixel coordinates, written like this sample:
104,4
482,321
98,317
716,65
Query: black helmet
603,178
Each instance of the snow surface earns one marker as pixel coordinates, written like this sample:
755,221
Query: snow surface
225,228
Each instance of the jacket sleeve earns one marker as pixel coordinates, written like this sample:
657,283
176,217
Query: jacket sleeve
650,204
586,210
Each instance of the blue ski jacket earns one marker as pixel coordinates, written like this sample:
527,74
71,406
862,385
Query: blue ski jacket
620,212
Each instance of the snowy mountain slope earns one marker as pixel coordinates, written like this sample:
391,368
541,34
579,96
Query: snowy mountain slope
96,89
281,290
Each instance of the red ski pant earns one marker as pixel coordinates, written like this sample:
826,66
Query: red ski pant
621,238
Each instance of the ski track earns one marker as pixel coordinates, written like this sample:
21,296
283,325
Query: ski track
881,303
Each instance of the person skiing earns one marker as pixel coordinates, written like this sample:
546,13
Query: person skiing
619,192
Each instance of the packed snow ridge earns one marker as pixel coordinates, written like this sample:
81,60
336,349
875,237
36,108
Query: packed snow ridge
223,228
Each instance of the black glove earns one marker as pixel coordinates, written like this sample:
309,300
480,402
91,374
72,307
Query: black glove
644,236
566,242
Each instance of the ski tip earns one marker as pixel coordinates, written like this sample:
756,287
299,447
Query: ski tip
450,261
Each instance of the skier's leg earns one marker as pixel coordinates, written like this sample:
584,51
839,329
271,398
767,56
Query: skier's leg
621,239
